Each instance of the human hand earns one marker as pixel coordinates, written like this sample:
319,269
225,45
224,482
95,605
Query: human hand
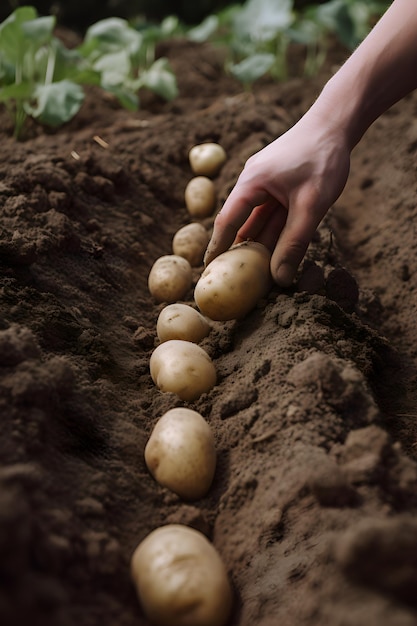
283,193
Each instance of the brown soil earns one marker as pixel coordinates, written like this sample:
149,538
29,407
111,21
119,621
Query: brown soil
314,500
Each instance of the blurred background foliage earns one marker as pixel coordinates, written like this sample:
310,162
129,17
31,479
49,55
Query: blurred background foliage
117,43
79,14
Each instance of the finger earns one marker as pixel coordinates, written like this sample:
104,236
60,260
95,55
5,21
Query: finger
265,231
256,221
236,210
272,229
292,245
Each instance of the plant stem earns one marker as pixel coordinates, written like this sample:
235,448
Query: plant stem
50,67
19,119
20,114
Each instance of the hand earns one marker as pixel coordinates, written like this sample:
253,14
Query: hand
283,193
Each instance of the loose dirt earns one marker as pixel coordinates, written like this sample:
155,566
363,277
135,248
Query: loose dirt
314,499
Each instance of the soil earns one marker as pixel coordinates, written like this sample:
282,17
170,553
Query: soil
313,505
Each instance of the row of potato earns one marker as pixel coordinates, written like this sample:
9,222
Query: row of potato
179,576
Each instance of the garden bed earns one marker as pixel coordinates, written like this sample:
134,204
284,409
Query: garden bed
314,499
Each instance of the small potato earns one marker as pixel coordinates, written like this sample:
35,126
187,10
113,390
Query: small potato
234,282
170,278
182,367
200,197
207,158
191,242
180,578
180,321
181,454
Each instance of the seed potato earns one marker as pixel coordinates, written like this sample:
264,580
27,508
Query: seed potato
180,578
200,197
191,242
207,158
182,367
170,278
234,282
181,454
180,321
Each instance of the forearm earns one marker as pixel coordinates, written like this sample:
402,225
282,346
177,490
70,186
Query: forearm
381,71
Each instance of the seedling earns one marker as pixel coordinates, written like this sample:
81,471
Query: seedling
41,78
36,71
125,59
258,33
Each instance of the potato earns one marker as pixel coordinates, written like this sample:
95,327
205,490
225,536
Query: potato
180,578
170,278
207,158
180,453
191,242
180,321
200,197
183,368
234,282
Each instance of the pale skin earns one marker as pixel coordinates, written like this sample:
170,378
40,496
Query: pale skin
285,190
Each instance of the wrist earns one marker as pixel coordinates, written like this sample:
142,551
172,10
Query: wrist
339,109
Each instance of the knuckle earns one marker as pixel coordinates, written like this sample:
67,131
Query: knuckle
294,250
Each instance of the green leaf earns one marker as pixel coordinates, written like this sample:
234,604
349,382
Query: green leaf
114,67
263,20
127,97
56,103
350,20
23,33
160,79
253,67
21,91
205,30
111,35
39,31
19,15
307,32
7,71
169,25
227,15
12,42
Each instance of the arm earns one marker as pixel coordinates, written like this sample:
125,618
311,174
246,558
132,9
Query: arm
285,190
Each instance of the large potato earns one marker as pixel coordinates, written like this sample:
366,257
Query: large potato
180,321
234,282
191,242
182,367
180,453
180,578
206,159
200,197
170,278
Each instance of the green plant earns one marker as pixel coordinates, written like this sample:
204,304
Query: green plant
255,34
38,76
349,20
124,57
41,78
258,33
